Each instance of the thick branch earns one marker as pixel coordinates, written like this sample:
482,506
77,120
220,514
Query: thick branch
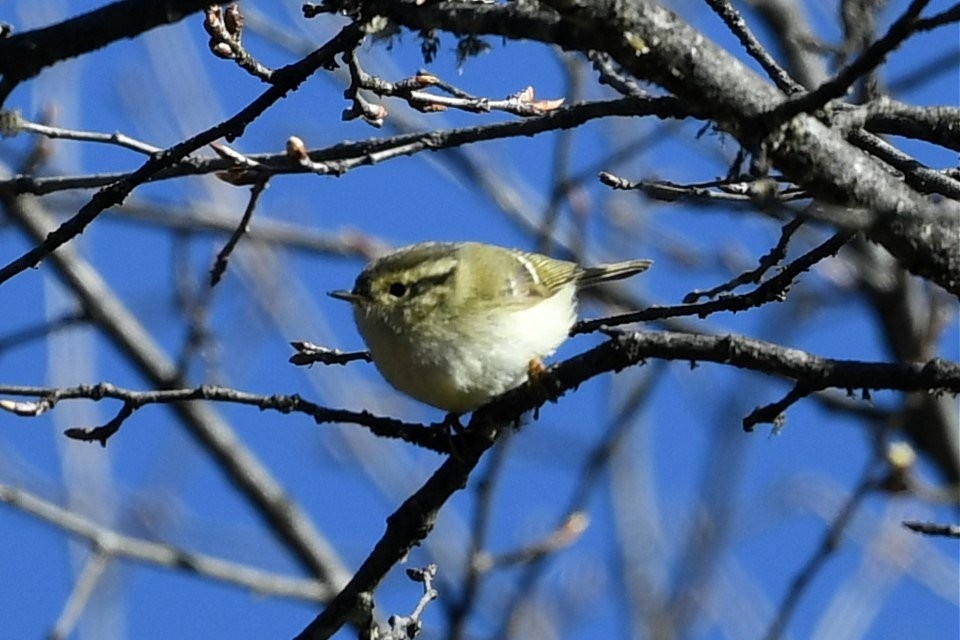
654,44
415,518
24,55
936,125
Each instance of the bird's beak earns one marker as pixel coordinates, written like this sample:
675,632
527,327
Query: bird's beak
348,296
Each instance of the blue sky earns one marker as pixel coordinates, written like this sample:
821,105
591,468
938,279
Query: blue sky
684,453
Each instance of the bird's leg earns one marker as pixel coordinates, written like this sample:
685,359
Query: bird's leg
452,423
539,383
536,371
452,427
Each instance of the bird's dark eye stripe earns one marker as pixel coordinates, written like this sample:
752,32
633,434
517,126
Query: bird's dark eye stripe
424,284
399,289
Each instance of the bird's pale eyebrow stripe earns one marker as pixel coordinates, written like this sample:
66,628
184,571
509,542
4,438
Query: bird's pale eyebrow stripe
529,266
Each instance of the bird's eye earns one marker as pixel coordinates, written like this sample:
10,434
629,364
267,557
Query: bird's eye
398,289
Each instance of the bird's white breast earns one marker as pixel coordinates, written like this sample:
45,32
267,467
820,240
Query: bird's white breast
462,363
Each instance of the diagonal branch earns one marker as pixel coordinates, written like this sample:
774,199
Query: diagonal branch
904,27
24,55
114,544
773,289
239,464
414,519
287,79
739,27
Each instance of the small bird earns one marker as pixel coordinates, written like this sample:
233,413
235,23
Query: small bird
455,324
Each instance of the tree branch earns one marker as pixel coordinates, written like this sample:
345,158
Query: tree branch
24,55
244,470
47,398
115,544
342,157
287,79
654,44
415,518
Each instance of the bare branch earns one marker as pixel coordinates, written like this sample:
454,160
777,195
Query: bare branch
757,192
904,27
114,544
408,627
289,78
767,262
225,28
12,123
309,353
936,125
773,413
24,55
220,266
103,433
345,156
934,528
772,290
739,27
430,438
412,90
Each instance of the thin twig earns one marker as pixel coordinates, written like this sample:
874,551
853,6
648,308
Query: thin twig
767,262
408,627
773,413
220,265
934,528
904,27
761,191
771,290
412,90
225,28
947,16
739,27
47,398
309,353
921,178
102,433
612,76
13,123
345,156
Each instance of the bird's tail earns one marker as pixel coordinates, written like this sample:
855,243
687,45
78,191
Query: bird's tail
613,271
